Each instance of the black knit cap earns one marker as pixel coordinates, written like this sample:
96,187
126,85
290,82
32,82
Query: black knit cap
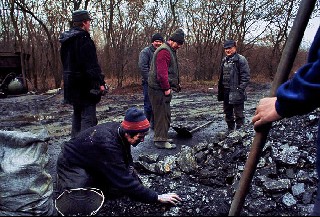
178,36
156,36
80,15
135,121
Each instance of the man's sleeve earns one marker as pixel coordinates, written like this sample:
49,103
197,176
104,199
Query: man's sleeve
144,64
118,175
301,94
163,62
244,73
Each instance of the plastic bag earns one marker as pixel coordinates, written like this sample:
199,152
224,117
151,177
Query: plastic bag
26,188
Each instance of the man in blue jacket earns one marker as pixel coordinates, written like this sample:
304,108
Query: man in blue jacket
145,58
297,96
100,157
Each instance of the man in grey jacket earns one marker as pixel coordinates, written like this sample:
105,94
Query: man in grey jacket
233,80
145,58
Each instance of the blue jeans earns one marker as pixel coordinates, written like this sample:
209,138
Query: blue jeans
147,104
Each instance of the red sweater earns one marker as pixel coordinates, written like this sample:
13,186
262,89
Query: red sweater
163,62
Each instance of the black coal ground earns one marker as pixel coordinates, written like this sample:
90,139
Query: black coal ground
208,190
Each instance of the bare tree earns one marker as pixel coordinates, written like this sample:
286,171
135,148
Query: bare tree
121,28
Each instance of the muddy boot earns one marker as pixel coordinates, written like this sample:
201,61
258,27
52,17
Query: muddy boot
166,145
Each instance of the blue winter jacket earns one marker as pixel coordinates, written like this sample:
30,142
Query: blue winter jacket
301,94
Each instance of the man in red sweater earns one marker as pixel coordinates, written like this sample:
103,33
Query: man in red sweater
163,78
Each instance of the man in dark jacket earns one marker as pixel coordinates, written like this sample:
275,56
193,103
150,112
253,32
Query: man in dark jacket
100,157
297,96
233,80
83,81
163,78
145,58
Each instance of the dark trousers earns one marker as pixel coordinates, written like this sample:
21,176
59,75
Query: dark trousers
161,113
234,115
84,116
147,104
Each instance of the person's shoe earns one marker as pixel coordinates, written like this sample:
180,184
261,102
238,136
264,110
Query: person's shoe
166,145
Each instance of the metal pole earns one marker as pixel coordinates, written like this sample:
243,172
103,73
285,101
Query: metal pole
287,58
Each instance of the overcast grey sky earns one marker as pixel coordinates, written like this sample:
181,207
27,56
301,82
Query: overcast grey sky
311,30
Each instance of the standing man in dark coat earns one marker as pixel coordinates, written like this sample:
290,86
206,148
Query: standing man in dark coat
233,80
100,157
83,80
163,78
145,58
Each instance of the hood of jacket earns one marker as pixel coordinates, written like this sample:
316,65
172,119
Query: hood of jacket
70,34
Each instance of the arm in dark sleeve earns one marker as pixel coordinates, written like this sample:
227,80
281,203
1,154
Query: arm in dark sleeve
88,56
163,62
244,73
301,94
117,173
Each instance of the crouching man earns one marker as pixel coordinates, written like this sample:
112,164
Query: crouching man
100,157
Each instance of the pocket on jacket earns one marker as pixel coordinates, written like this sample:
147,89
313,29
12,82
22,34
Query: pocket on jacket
236,96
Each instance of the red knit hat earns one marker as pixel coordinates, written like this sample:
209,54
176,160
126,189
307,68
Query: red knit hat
135,121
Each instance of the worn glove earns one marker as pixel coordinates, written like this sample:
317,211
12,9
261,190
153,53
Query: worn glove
172,198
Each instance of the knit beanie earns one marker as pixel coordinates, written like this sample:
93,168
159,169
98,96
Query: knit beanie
135,121
177,36
80,15
156,36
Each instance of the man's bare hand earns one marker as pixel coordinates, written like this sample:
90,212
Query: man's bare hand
172,198
265,112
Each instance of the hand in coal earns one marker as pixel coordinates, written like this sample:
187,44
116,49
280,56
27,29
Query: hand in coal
172,198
